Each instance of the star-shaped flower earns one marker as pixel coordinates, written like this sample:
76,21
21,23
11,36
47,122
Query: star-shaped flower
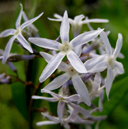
100,63
17,34
70,72
66,48
78,21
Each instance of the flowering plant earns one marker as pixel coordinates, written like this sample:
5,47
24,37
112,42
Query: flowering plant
75,68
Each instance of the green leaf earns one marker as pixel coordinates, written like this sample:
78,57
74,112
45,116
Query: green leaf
19,98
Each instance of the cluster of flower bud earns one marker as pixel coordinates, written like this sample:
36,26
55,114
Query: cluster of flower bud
80,66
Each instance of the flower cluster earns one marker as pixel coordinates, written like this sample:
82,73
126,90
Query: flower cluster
76,66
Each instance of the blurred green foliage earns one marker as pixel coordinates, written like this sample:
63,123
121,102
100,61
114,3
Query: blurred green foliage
114,10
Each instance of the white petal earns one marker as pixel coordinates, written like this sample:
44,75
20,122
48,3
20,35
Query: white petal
24,43
81,89
45,43
53,19
101,66
44,98
64,28
89,26
119,67
78,50
60,109
7,32
79,109
97,82
85,37
7,49
95,21
79,18
118,45
76,62
19,17
73,98
30,21
101,101
89,64
109,80
46,123
63,66
105,40
51,93
57,82
51,66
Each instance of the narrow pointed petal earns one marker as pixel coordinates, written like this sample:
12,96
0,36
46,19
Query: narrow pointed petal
51,93
27,23
46,123
64,28
44,98
81,89
19,17
7,49
51,66
7,32
118,45
63,66
78,50
79,18
24,43
119,67
57,82
59,18
73,98
45,43
97,82
101,101
101,66
105,40
79,109
85,37
95,21
76,62
109,80
52,118
89,64
60,109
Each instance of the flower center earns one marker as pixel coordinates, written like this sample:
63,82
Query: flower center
18,30
111,61
72,71
65,47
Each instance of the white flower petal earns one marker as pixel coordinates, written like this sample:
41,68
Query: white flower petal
64,28
119,67
7,49
46,123
44,98
78,109
73,98
7,32
101,101
97,82
19,17
57,16
85,37
109,80
89,64
78,18
51,66
45,43
60,109
99,67
78,50
105,40
30,21
95,21
76,62
63,66
57,82
24,43
81,89
118,45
